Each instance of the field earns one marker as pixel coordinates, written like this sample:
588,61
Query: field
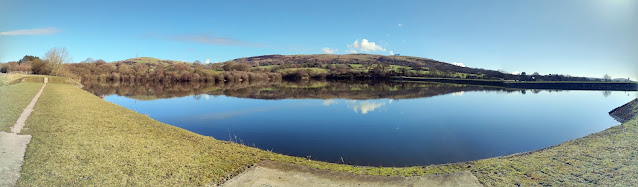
314,70
80,139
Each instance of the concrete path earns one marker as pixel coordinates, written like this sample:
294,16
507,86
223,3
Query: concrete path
13,145
271,174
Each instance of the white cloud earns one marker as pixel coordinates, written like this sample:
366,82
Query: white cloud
352,51
365,46
516,73
43,31
400,24
207,61
458,64
391,52
326,50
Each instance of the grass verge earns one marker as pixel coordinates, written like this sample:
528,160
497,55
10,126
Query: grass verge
13,99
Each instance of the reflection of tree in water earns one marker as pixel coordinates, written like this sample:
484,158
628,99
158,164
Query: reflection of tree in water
606,93
285,90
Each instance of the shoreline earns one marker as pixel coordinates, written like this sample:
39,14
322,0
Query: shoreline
559,85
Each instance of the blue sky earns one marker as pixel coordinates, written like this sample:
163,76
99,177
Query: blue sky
576,37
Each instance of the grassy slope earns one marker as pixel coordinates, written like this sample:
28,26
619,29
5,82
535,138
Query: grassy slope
606,158
79,139
13,99
355,60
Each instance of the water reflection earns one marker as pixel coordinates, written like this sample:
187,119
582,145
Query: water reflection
366,106
288,90
328,102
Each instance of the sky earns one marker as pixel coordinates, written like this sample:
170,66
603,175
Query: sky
576,37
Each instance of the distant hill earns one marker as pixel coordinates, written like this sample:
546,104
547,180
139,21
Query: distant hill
365,62
149,60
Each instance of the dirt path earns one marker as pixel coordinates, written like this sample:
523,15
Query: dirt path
13,145
270,173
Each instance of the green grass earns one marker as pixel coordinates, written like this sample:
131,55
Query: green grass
80,139
13,99
3,78
314,70
267,67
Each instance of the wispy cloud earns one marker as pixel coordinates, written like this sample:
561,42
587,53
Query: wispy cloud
41,31
213,40
400,24
326,50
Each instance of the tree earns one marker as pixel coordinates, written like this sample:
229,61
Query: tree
40,67
56,57
27,58
607,78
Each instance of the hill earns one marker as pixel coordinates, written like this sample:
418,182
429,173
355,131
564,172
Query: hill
367,63
149,60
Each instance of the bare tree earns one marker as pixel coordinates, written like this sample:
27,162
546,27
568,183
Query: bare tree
57,56
607,78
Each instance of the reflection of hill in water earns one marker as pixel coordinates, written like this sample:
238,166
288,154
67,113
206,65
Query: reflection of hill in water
286,90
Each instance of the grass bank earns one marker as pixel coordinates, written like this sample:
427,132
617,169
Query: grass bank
80,139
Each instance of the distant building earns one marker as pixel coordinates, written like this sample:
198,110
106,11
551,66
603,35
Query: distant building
397,54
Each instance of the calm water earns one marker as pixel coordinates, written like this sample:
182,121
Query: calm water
380,124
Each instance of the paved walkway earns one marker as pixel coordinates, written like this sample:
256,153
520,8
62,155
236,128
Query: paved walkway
271,174
13,145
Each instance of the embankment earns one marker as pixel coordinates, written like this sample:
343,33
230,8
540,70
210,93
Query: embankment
626,112
617,86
